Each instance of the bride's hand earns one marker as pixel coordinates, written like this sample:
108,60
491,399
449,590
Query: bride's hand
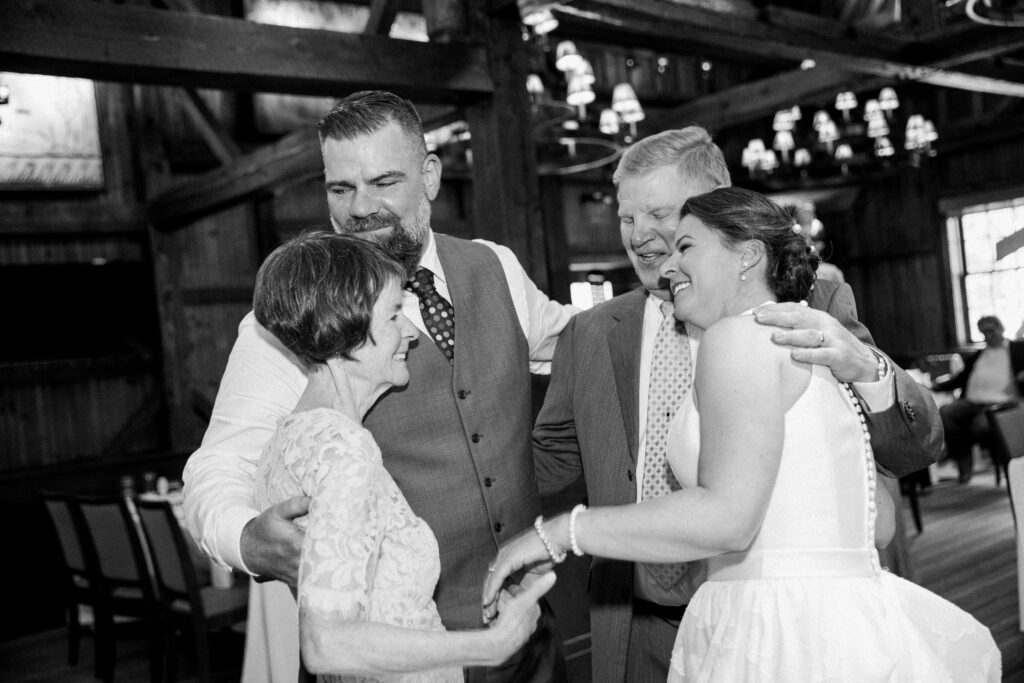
523,551
517,614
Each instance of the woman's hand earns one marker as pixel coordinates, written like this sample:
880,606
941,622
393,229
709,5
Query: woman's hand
523,551
517,614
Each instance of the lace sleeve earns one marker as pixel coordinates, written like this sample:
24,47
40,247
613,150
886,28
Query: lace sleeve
345,527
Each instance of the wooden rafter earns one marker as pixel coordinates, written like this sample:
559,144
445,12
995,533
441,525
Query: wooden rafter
293,158
765,39
142,45
382,15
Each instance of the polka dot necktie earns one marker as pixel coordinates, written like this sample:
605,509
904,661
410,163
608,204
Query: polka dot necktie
438,314
671,376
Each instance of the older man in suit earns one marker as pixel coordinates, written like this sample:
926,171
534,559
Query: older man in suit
595,418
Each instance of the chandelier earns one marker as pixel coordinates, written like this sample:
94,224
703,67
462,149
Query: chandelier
842,142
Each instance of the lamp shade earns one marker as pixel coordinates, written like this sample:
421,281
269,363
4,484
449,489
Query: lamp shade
567,57
537,15
534,85
783,120
888,100
802,157
846,100
585,71
844,152
624,98
580,92
872,109
783,141
821,118
877,127
609,122
883,147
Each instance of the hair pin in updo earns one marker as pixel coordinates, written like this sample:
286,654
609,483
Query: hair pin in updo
797,228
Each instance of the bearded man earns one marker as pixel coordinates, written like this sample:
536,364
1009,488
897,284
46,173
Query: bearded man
456,439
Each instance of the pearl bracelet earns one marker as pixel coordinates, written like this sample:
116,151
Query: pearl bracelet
572,529
538,526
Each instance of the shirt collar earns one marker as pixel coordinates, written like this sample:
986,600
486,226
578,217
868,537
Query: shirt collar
430,261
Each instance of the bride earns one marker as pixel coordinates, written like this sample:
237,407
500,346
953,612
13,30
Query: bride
778,491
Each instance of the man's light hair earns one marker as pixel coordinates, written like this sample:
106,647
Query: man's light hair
689,149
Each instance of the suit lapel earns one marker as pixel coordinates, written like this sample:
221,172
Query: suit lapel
624,347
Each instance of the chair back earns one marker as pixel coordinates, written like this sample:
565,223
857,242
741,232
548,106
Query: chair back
175,572
66,519
1007,424
120,558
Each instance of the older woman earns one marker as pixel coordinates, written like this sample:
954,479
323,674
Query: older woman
369,564
778,490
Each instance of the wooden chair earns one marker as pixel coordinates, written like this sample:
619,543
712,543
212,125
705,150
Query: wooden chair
1006,423
67,524
121,577
184,601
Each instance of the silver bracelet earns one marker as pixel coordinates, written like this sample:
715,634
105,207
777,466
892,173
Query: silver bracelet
572,529
538,526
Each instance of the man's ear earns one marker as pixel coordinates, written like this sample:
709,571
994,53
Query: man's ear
431,175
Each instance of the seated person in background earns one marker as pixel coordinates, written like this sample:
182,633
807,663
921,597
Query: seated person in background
369,565
991,376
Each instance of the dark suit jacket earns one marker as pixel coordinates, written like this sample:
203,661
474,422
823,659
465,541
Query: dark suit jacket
589,425
960,381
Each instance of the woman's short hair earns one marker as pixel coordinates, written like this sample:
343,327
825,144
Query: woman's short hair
739,215
316,293
366,112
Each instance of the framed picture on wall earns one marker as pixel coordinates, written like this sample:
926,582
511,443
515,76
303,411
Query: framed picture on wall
49,133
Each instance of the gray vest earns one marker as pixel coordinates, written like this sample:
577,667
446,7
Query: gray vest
457,439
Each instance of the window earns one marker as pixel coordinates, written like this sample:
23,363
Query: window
980,230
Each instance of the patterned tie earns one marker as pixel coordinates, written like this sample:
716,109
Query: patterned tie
438,314
671,377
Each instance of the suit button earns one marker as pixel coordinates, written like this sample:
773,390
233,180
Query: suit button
498,526
476,438
463,393
488,482
629,474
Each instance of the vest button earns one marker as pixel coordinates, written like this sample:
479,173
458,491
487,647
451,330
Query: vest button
463,393
498,526
476,438
488,482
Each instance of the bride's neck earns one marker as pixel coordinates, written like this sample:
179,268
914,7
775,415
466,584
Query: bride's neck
322,391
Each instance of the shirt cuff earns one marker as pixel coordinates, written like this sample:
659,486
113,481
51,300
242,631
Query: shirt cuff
881,394
229,538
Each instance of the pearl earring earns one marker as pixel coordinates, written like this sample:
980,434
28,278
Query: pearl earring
743,273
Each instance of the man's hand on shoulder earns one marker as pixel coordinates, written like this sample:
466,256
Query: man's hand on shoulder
271,542
816,337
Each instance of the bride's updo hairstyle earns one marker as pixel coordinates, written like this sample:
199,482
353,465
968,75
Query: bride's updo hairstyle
739,215
316,293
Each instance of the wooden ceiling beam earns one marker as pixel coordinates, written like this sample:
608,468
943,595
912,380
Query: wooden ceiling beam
291,159
382,16
142,45
640,21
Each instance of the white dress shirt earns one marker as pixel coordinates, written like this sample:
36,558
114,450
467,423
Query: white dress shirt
262,383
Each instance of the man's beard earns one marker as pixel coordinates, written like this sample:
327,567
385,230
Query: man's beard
402,243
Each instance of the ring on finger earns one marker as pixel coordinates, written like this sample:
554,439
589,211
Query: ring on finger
821,338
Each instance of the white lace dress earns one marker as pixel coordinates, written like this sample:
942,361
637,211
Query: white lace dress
367,556
808,600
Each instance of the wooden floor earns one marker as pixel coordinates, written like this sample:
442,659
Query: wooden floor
966,553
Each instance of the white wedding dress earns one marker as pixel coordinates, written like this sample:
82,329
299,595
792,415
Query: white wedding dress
808,601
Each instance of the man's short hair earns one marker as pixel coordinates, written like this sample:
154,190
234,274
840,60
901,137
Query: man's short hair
316,293
991,320
366,112
689,149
